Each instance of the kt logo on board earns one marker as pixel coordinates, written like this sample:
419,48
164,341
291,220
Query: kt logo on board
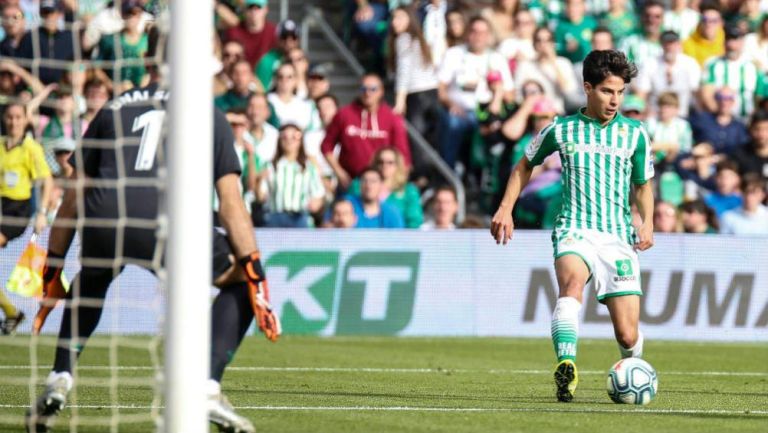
373,292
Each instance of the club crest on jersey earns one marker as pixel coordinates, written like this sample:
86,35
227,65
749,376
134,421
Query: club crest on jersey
623,131
570,147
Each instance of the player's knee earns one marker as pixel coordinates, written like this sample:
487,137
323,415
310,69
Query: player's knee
572,288
627,338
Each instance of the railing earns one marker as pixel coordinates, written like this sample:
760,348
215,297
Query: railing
314,17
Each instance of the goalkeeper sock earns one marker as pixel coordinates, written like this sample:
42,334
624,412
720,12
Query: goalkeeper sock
231,316
565,328
89,285
8,308
635,351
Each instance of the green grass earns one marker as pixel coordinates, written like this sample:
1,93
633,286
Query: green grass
480,385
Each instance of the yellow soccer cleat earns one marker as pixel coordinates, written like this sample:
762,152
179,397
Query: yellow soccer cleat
566,380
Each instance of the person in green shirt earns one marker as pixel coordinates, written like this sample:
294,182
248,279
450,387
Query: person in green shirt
288,39
243,86
621,21
573,34
131,44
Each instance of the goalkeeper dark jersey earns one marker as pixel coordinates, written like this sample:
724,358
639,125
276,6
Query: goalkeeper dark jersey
123,152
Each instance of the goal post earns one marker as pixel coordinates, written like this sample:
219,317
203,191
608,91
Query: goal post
188,260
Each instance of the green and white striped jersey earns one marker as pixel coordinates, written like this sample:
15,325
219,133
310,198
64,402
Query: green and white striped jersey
290,187
739,75
599,163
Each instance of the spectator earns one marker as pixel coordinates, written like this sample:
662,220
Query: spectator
519,46
415,80
433,22
371,212
130,44
707,40
249,164
671,134
756,46
665,218
225,15
96,95
463,85
748,15
721,128
370,17
292,187
396,190
634,108
261,134
554,73
243,86
501,17
672,71
23,164
108,21
456,29
445,207
698,218
731,71
289,107
573,33
47,43
327,107
298,59
619,20
361,128
754,158
63,123
752,217
231,54
726,194
12,78
287,40
255,33
317,81
14,26
681,19
698,169
641,47
343,214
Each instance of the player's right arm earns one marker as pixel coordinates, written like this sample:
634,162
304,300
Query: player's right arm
544,145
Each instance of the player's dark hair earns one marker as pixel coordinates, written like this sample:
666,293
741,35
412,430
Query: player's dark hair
302,156
709,5
599,65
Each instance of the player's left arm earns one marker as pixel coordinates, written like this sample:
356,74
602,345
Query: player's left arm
642,175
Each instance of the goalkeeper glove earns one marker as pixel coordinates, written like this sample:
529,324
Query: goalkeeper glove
53,290
258,292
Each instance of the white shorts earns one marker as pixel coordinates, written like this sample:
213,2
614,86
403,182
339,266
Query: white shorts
612,263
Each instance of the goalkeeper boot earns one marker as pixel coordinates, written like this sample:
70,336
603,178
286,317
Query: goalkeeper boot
566,380
11,323
40,418
222,414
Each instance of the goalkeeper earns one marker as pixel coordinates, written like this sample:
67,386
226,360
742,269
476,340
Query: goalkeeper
105,251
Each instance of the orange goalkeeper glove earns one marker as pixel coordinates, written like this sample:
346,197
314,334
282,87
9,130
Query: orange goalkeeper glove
258,292
53,290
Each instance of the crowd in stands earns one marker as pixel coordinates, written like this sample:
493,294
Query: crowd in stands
478,79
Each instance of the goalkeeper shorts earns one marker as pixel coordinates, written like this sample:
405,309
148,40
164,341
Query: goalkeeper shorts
612,263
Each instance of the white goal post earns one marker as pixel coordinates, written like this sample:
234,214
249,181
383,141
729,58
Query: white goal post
189,217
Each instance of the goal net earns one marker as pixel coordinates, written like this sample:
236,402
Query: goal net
70,63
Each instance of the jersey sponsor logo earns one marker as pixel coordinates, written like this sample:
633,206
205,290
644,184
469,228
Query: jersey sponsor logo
571,148
356,131
624,271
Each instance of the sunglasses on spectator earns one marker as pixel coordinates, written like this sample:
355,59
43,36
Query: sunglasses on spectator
386,162
712,20
369,89
725,97
316,77
284,77
542,40
252,7
232,54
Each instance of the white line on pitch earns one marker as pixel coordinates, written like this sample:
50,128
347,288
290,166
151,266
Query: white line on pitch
392,370
559,409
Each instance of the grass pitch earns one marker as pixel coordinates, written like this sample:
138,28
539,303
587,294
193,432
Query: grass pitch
310,384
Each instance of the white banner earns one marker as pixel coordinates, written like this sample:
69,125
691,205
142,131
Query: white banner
460,283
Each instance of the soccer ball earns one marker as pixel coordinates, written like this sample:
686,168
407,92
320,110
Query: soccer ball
632,381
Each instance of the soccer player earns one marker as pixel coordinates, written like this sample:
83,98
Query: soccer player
603,155
135,196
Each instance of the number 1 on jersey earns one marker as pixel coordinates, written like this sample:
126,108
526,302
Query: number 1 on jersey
152,124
